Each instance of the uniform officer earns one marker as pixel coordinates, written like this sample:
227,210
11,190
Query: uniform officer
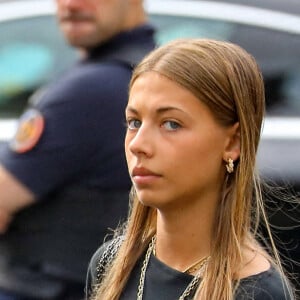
63,178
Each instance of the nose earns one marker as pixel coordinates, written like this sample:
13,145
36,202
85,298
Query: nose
140,143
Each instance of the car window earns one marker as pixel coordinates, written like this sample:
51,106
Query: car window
170,27
276,52
32,52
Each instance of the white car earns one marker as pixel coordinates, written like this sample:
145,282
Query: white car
32,52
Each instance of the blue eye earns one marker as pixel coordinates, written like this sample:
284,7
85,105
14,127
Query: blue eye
134,124
171,125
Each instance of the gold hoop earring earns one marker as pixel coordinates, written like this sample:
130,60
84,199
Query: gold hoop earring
230,165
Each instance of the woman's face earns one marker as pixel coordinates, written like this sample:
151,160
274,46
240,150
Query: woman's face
174,147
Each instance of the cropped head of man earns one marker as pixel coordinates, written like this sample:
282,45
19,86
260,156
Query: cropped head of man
88,23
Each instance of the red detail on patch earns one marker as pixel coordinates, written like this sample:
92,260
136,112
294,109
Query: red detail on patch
30,129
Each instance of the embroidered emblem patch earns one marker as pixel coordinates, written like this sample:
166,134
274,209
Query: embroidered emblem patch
30,128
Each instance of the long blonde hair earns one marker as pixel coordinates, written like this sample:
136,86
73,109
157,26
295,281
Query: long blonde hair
227,79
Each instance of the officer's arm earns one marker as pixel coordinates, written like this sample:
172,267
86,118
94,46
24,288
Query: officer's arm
13,197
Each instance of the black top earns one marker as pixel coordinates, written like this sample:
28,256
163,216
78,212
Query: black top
165,283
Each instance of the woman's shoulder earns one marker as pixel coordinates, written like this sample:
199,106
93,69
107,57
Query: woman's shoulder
266,285
99,261
104,255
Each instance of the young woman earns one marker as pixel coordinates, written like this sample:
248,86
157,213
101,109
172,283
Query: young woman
194,119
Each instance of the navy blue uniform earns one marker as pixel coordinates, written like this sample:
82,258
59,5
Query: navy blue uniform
77,167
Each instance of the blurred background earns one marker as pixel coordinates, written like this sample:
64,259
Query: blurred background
33,52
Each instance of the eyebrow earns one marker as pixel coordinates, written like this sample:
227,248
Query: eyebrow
131,109
160,110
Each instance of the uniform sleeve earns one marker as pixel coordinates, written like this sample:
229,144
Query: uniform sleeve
80,113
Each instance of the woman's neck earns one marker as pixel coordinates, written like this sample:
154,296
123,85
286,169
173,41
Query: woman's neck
184,235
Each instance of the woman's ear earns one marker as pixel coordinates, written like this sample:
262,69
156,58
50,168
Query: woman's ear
233,144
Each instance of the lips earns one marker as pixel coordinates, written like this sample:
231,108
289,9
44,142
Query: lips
142,172
144,178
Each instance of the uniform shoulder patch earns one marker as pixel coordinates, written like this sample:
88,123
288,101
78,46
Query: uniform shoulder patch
30,128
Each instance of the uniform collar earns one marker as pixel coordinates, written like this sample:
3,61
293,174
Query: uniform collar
132,44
